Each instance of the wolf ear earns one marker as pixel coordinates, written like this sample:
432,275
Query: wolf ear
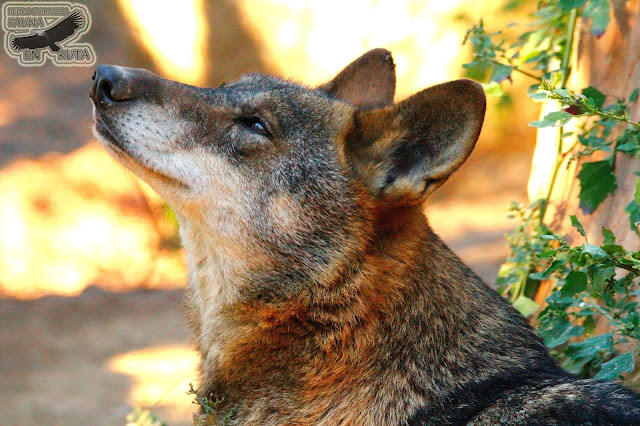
367,82
403,153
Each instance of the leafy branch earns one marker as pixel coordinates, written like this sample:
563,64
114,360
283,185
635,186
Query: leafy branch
210,409
588,287
590,283
596,178
586,104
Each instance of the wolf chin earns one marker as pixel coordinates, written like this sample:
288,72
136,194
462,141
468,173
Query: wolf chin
318,293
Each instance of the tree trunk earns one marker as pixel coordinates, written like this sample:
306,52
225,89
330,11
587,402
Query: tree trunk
611,64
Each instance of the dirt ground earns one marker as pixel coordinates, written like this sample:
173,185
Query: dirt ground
57,353
86,359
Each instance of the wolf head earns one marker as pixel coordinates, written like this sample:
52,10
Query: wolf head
285,182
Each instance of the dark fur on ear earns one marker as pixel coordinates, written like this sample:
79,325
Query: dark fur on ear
403,153
367,82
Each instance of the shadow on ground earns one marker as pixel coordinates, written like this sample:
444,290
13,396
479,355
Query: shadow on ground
57,355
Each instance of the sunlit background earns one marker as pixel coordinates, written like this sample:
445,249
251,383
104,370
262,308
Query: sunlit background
84,245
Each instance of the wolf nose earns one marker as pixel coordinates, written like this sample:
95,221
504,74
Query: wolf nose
111,85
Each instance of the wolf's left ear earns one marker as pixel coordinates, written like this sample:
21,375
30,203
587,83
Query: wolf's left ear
403,153
367,82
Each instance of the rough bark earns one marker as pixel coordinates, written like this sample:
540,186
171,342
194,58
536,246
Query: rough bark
610,63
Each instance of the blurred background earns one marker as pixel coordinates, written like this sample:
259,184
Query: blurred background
91,269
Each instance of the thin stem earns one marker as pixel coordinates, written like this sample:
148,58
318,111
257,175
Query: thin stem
604,313
518,69
556,168
628,268
523,286
527,73
573,17
615,117
575,143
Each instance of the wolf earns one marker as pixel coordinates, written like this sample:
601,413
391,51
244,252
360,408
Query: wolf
318,293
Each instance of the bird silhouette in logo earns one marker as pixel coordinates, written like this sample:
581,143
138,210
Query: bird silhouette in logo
40,39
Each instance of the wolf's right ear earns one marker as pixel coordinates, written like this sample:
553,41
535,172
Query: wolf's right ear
403,153
367,82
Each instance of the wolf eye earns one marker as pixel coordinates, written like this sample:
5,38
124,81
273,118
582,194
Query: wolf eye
255,125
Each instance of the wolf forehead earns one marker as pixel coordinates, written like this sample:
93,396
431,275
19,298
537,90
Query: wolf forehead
253,92
290,111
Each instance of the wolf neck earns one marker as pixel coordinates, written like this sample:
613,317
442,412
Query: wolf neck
329,350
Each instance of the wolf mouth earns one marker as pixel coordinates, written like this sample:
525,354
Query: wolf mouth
121,148
103,130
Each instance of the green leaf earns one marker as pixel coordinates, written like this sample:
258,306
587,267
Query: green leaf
501,73
601,276
553,119
576,282
575,222
634,95
614,249
597,181
561,334
477,70
595,95
550,237
627,147
571,4
613,369
555,78
538,96
608,236
598,12
546,274
560,301
493,89
592,346
575,365
589,324
526,306
593,251
547,254
633,210
636,195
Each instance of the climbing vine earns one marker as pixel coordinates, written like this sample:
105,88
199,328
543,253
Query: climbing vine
592,284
